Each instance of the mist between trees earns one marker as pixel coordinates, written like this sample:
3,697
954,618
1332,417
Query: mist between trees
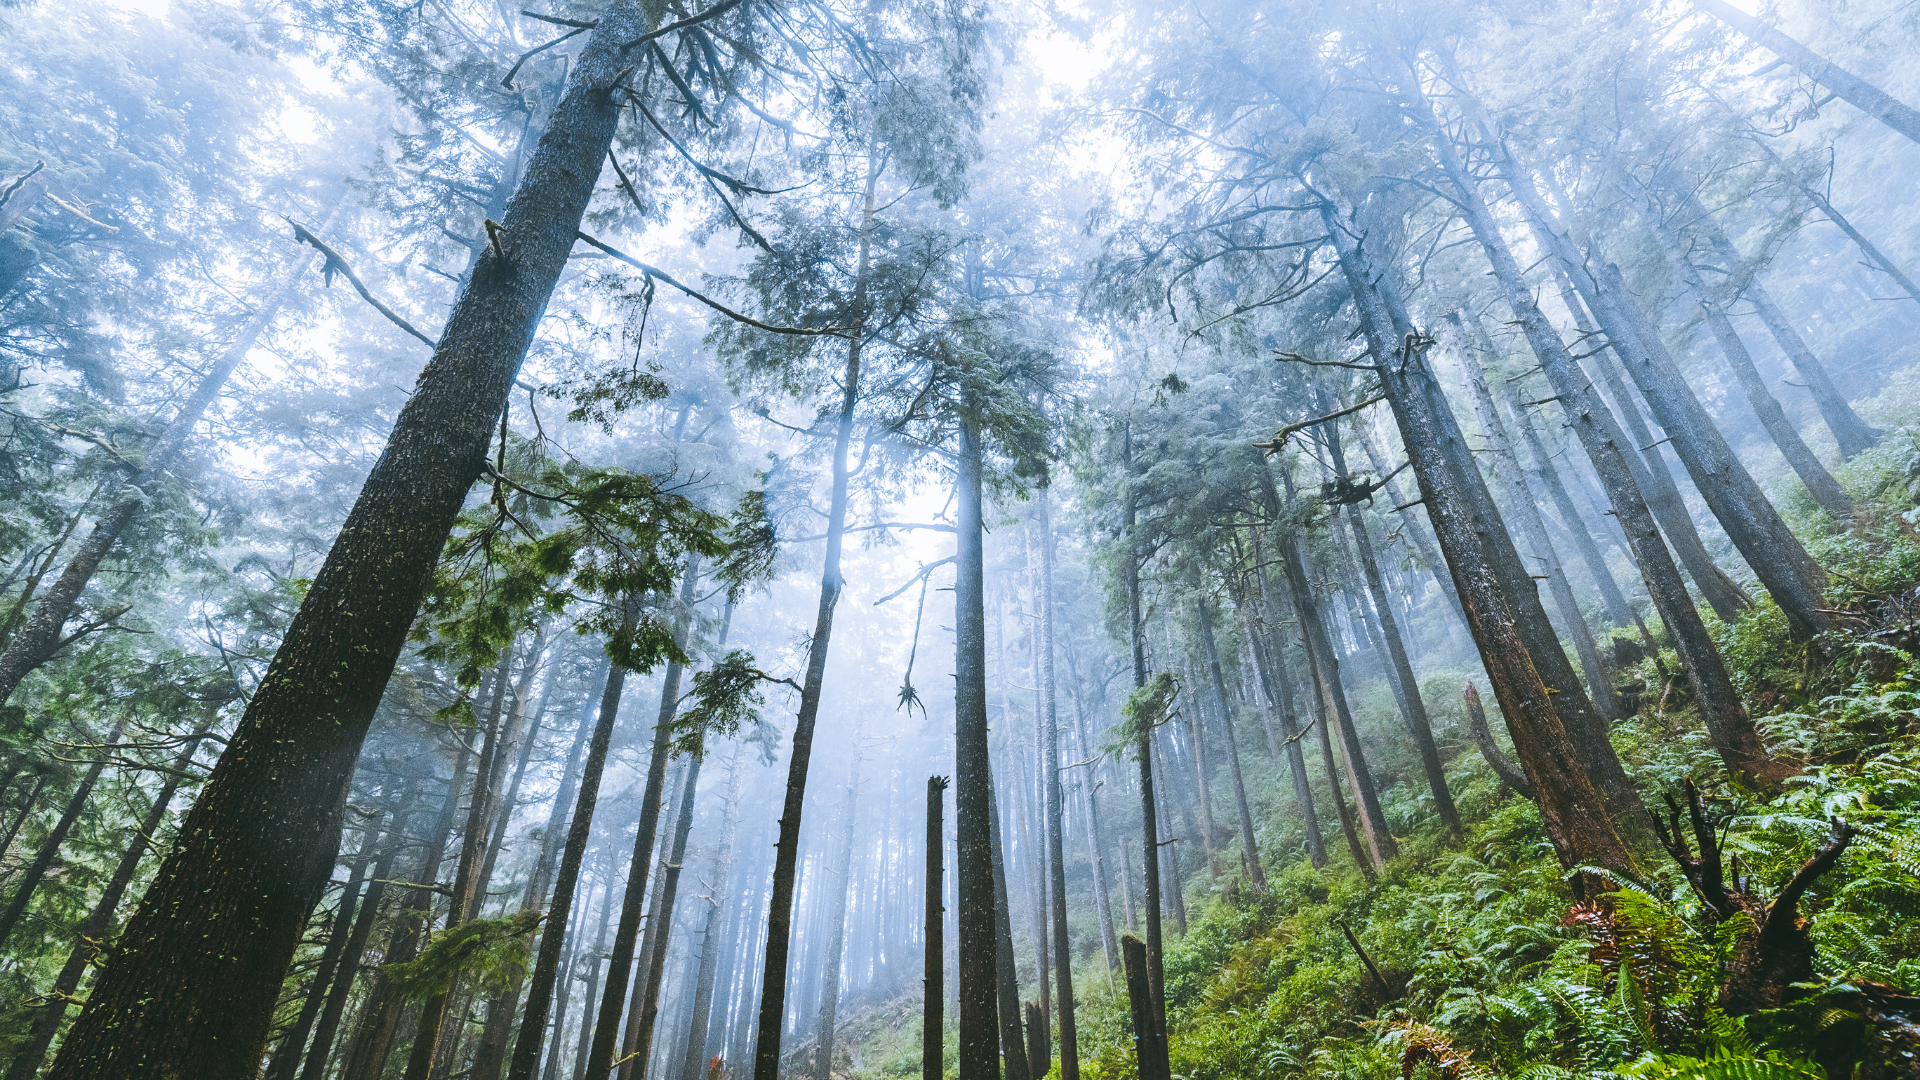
752,540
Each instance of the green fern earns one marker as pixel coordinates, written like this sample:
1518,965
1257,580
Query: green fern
1721,1066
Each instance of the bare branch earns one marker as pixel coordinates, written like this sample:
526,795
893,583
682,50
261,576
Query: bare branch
655,273
334,262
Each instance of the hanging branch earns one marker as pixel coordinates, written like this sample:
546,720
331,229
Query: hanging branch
921,576
654,273
713,177
335,264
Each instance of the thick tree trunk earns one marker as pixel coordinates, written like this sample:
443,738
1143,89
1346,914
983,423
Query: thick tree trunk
189,994
1773,419
1850,433
1255,871
533,1023
1525,513
1869,98
1148,1048
1510,629
973,779
1013,1043
36,871
773,983
933,1023
91,938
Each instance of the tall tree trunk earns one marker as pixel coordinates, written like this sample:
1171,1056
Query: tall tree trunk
711,946
1412,527
1573,523
1869,98
1143,753
1148,1048
1013,1043
1505,466
842,884
661,919
585,1044
613,997
40,638
1412,707
91,938
1510,629
1255,871
973,779
1773,419
643,956
533,1023
933,1024
191,994
1088,805
36,871
1790,575
1850,433
773,982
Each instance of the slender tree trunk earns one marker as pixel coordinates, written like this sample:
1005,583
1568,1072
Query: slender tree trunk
1875,257
428,1043
1482,737
1143,754
91,938
36,871
585,1046
661,918
1276,689
1773,419
188,994
773,983
1255,871
329,1026
1790,575
1013,1043
1148,1048
643,956
1573,524
693,1067
613,997
1850,433
1088,806
1505,466
973,779
533,1023
26,811
1413,528
933,1024
1869,98
1731,728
